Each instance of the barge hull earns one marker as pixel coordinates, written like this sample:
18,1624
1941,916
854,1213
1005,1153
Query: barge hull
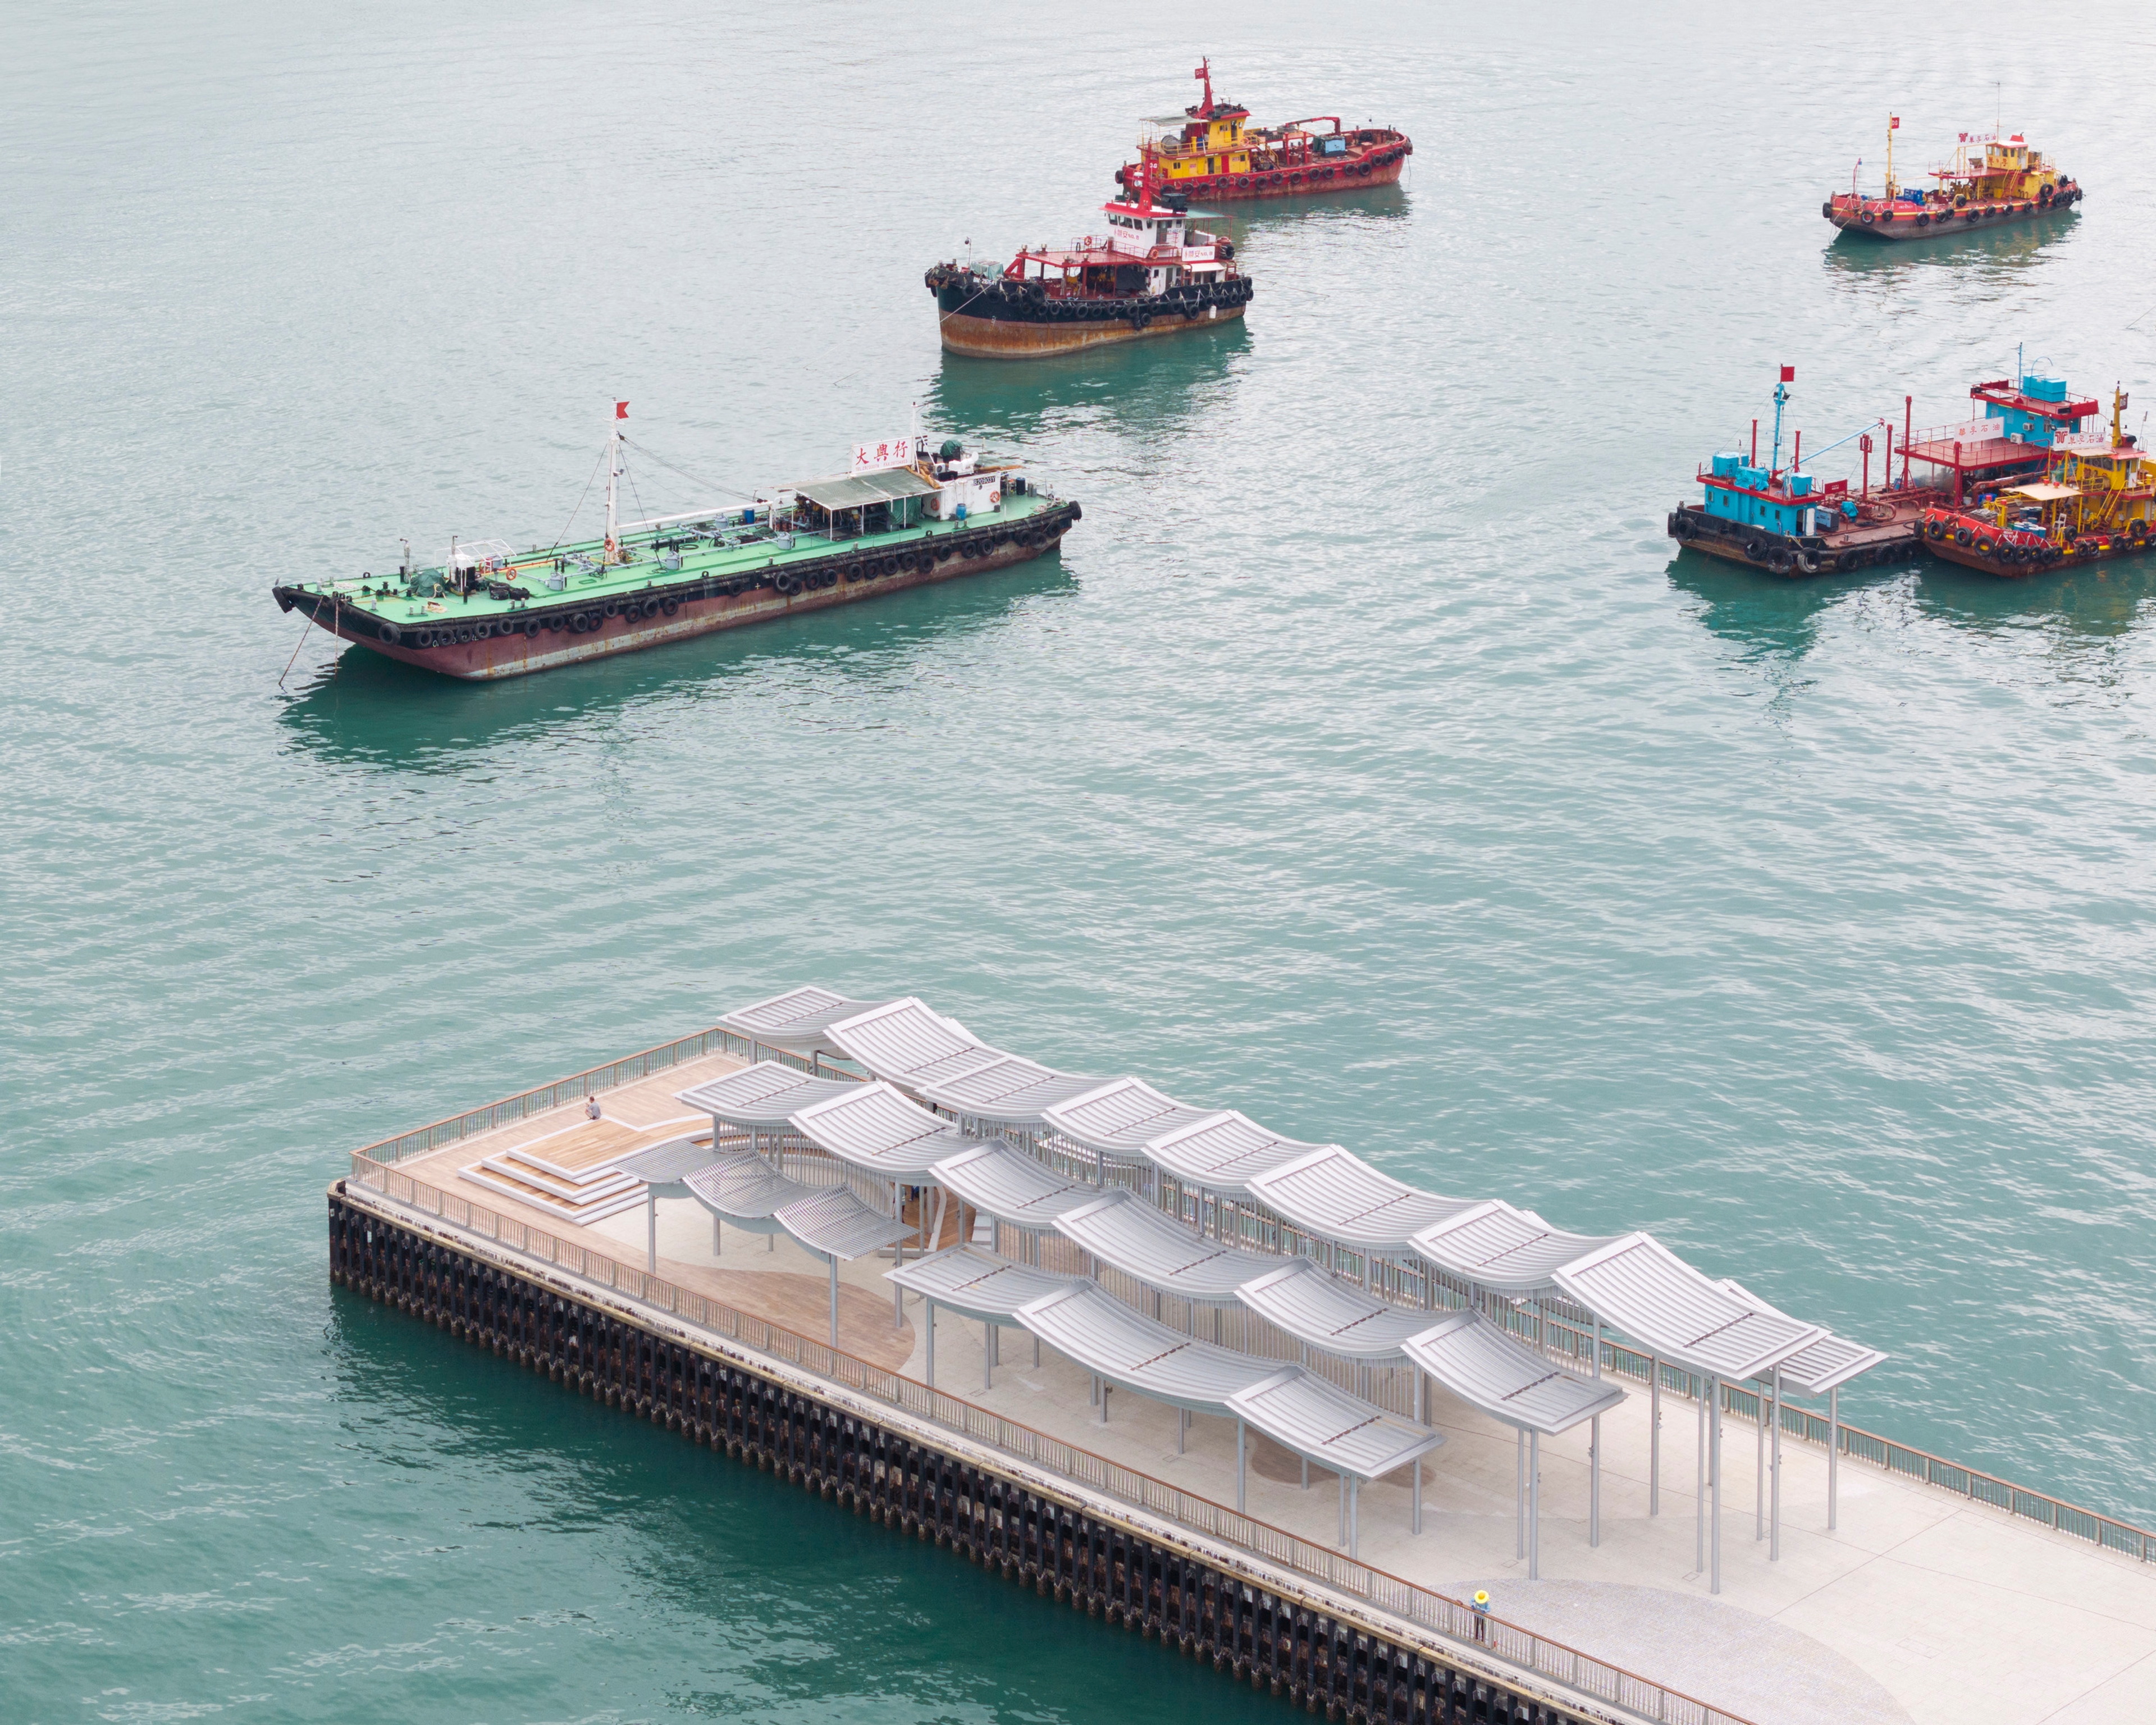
1957,223
1003,338
518,654
1867,545
1251,1623
1287,183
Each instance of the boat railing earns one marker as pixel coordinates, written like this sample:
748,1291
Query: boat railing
1496,1641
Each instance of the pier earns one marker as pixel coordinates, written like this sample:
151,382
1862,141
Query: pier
1938,1594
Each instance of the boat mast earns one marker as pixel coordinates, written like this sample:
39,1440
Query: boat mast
1781,395
613,476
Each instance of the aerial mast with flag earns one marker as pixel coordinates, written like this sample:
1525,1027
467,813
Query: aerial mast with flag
1893,125
613,476
1781,396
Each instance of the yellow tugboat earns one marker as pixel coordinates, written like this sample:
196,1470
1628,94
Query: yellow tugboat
1995,179
1215,154
2096,501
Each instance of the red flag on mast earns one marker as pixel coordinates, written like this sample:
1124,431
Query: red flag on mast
1789,374
1893,122
621,410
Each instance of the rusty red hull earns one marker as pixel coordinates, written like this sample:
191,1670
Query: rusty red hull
1382,165
1000,338
516,656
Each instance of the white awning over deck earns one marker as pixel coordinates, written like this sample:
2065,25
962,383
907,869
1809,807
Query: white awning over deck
1337,1317
1506,1378
1142,1241
1120,1117
1640,1288
1507,1250
1011,1186
1220,1152
873,1126
904,1042
798,1020
977,1284
1333,1195
762,1097
1092,1326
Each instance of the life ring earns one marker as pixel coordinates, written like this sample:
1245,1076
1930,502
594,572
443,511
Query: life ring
390,634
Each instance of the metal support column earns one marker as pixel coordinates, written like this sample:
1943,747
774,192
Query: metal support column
1414,1504
1714,1475
1833,1453
1240,1470
650,1230
1594,1456
1534,1505
835,1300
1654,1440
1520,1494
1774,1461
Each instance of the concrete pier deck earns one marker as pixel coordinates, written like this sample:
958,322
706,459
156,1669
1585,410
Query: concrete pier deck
1922,1605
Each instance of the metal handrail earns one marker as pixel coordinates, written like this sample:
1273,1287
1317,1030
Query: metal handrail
1452,1619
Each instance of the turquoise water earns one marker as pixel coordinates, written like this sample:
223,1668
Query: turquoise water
1367,761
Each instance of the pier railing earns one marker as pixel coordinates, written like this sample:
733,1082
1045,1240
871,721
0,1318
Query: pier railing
628,1070
1507,1643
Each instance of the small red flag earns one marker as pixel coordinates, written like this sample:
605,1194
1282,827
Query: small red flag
1789,374
1893,122
621,410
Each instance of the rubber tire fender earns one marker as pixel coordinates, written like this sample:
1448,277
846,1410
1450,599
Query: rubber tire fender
1779,561
390,634
1961,535
1756,549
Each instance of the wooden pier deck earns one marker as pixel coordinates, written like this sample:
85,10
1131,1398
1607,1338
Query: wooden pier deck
1922,1606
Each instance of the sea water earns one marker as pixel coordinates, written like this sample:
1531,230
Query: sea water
1368,760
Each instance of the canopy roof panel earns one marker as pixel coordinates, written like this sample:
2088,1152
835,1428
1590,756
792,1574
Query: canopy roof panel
977,1284
873,1126
854,490
1087,1324
746,1190
664,1166
1010,1185
1506,1378
1508,1250
1338,1196
1141,1239
902,1039
837,1225
796,1021
1319,1421
1639,1286
1120,1117
1827,1363
763,1095
1328,1313
1220,1151
1008,1088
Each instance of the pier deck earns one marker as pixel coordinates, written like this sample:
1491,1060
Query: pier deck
1922,1605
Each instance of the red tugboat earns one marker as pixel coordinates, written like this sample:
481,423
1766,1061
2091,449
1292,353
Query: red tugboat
1786,522
1215,154
2086,496
1149,273
1994,180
